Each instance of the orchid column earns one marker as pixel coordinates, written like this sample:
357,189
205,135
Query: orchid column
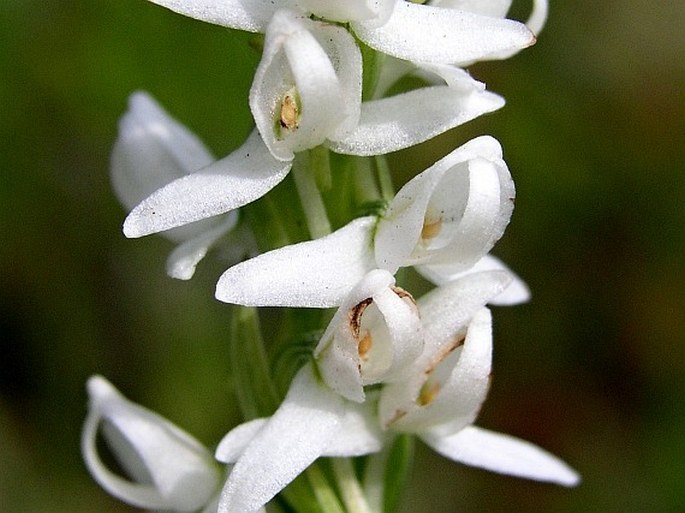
356,368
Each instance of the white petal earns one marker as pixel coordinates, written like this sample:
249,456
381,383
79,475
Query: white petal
433,34
316,67
349,10
182,261
182,473
252,15
237,439
516,293
236,180
407,119
504,454
152,149
494,8
296,435
468,195
538,16
358,433
315,274
447,310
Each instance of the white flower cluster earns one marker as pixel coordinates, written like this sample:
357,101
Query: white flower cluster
386,364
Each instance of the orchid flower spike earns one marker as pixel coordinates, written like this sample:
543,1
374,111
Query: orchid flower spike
170,469
445,220
152,150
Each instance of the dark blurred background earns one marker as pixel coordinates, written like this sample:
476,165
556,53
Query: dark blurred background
592,369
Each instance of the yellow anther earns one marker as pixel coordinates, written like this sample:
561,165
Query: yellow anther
429,391
431,228
290,112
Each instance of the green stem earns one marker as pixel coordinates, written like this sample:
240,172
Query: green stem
350,489
384,177
325,495
254,387
310,197
366,189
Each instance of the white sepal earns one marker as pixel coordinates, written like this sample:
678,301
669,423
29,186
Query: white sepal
297,434
177,473
236,180
407,119
434,34
315,274
375,334
452,213
307,86
233,444
182,261
504,454
516,293
252,16
151,150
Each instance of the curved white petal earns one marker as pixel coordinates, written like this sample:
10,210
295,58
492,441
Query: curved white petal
181,473
452,213
307,86
151,150
407,119
315,274
516,293
504,454
538,16
457,385
375,334
182,261
296,435
233,444
251,15
434,34
446,313
236,180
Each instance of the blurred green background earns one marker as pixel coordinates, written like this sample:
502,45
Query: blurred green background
592,369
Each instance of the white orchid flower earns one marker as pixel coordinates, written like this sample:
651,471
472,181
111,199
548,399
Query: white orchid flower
444,391
170,469
373,337
152,150
313,421
402,29
450,215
